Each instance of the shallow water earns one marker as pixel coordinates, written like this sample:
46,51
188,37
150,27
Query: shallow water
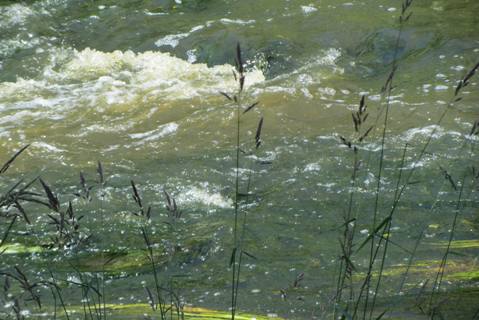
135,84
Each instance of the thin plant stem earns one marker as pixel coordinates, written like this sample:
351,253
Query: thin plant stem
388,232
347,238
411,258
440,274
236,210
154,269
59,293
62,302
242,236
54,303
389,88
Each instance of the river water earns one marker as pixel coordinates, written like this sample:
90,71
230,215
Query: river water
135,84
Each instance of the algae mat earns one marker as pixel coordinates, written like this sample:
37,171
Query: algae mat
132,311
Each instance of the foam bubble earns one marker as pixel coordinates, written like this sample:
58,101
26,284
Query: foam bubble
171,77
15,14
314,166
91,78
195,195
308,9
173,40
162,131
47,147
237,21
434,130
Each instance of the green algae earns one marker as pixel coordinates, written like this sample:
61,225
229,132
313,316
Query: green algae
190,312
134,310
459,244
455,270
113,262
472,275
137,260
19,248
458,303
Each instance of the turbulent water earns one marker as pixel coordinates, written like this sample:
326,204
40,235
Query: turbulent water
135,85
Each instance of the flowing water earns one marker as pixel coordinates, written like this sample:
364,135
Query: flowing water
135,84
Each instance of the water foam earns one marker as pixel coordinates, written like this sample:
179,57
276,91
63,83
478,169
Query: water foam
104,80
207,198
168,76
173,40
308,77
436,131
162,131
13,15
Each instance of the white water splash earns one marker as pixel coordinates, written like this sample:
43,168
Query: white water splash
308,9
173,40
15,14
47,147
204,196
237,21
103,81
162,131
315,166
434,130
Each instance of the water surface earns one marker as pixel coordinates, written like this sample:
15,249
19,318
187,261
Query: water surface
135,84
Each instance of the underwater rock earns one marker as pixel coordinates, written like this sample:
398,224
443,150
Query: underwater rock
272,57
377,50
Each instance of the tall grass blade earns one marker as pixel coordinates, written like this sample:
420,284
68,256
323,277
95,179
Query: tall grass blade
7,164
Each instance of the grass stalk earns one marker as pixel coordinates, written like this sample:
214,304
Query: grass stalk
237,99
410,260
242,251
238,233
54,303
101,182
463,83
388,234
398,194
236,209
58,291
388,87
440,274
161,304
346,267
